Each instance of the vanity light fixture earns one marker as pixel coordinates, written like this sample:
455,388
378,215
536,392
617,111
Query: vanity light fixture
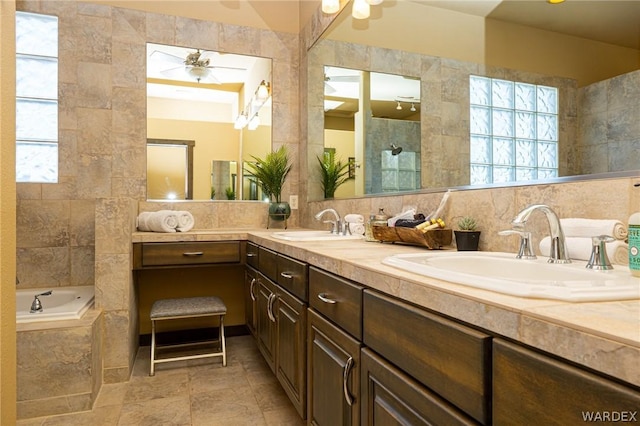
263,91
330,6
399,107
254,122
360,9
413,107
241,121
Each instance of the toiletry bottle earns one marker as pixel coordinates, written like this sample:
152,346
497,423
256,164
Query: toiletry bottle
634,244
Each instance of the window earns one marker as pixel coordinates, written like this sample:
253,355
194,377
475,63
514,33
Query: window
514,131
36,98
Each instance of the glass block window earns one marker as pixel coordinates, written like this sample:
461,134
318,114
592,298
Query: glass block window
514,131
400,172
36,98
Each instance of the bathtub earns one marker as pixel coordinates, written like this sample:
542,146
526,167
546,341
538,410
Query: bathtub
64,303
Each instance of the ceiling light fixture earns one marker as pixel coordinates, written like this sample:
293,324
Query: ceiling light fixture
399,107
330,6
361,9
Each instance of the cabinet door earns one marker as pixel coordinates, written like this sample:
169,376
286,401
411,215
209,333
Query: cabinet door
534,389
391,398
251,299
291,347
333,374
266,322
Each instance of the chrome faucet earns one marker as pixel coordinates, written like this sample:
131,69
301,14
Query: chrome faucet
558,252
336,225
36,305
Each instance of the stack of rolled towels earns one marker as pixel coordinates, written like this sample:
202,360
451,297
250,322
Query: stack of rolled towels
355,222
165,221
579,231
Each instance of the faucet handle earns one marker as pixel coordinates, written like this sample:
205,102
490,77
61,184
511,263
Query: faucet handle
599,259
525,251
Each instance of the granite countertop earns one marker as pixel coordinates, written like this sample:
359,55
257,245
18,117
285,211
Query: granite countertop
604,336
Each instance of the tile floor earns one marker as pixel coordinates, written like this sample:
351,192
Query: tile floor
190,393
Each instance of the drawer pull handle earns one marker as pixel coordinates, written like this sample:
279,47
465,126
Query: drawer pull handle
287,275
345,379
253,296
325,299
193,253
252,254
270,301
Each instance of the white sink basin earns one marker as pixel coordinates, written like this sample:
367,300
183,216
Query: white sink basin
503,273
313,236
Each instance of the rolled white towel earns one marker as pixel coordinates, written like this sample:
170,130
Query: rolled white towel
185,221
579,248
580,227
354,218
160,221
356,228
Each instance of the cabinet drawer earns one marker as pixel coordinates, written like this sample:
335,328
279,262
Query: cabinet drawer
531,388
293,276
389,394
337,299
447,357
268,263
252,255
189,253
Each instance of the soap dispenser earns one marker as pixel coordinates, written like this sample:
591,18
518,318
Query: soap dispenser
634,244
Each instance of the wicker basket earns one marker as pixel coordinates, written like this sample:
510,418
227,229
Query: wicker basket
432,239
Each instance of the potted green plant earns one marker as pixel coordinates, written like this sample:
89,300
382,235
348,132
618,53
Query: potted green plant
334,173
467,236
230,193
272,172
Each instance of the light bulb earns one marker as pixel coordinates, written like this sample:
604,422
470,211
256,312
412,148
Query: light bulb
263,90
254,123
241,121
330,6
361,9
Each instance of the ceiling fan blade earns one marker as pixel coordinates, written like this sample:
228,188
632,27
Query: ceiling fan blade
174,73
328,89
226,68
166,57
344,78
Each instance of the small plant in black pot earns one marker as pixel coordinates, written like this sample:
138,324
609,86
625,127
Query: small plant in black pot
467,235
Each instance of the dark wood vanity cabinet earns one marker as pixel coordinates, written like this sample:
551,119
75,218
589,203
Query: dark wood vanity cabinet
391,397
533,388
281,320
452,360
266,321
251,299
334,342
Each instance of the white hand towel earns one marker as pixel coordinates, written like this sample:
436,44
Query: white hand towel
579,248
580,227
356,228
160,221
185,221
354,218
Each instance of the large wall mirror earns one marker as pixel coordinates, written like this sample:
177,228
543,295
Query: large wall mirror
491,73
221,104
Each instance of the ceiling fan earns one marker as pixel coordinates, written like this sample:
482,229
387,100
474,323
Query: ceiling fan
195,66
329,89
